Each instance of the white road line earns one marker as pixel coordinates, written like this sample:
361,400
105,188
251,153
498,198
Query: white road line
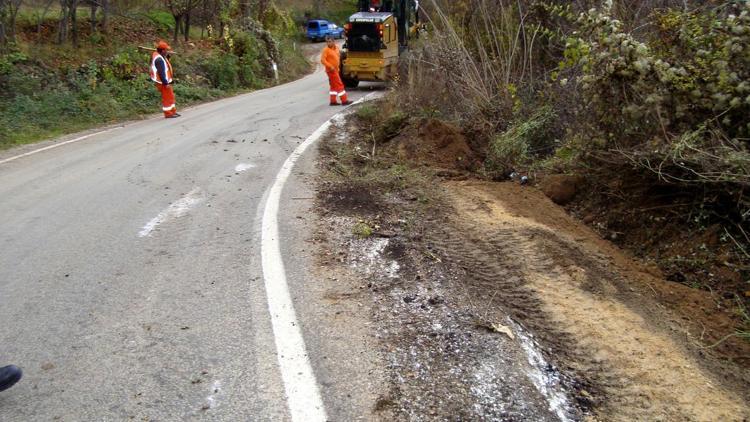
302,392
239,168
78,139
175,210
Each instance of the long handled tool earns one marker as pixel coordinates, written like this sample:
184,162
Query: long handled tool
140,47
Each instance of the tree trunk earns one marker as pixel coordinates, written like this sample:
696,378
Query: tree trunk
186,29
10,12
93,16
3,39
105,14
62,31
12,27
4,4
74,22
40,18
177,23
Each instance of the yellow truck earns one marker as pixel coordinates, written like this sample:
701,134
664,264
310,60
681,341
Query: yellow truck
375,37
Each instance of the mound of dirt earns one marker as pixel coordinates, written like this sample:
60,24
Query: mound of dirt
560,188
599,310
436,143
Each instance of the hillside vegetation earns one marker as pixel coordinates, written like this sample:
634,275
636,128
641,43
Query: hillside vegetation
62,71
632,114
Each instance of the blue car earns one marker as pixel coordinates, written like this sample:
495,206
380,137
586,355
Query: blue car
318,29
335,31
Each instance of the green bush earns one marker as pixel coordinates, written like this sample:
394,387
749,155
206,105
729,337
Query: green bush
163,19
367,113
524,140
245,45
695,69
675,102
221,69
293,61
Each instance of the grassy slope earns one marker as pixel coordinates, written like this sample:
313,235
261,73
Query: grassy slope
49,90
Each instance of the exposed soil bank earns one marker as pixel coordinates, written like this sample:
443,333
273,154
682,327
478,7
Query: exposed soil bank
491,303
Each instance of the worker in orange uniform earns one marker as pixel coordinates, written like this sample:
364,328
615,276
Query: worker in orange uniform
161,73
330,59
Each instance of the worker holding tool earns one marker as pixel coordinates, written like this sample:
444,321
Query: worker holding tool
161,73
331,59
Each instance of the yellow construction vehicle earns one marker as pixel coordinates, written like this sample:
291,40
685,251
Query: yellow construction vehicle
375,37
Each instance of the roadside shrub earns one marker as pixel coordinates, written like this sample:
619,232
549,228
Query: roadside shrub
367,113
524,140
248,71
362,230
221,69
676,102
392,125
694,70
126,64
280,22
244,45
293,61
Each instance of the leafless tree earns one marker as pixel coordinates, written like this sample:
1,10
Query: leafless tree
41,15
62,27
3,14
8,13
95,5
181,11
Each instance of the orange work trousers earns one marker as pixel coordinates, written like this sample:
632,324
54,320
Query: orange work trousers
337,87
167,100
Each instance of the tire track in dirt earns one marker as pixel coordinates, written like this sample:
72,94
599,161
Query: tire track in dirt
562,293
441,364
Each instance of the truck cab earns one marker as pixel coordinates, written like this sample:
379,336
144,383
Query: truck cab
371,49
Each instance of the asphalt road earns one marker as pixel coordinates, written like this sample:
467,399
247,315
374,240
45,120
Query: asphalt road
130,271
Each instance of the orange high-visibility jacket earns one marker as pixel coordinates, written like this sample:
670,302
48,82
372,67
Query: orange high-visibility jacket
330,58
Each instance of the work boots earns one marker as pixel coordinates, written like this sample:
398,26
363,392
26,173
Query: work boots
9,375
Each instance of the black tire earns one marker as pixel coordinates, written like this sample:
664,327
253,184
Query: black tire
350,83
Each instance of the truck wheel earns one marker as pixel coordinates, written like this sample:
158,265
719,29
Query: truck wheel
350,83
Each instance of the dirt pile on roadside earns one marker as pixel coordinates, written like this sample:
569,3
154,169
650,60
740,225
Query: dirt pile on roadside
670,230
458,274
435,143
596,308
561,188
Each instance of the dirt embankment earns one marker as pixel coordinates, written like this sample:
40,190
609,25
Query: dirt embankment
492,303
595,306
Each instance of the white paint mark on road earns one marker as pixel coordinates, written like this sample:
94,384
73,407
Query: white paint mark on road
243,167
302,392
213,398
78,139
176,210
